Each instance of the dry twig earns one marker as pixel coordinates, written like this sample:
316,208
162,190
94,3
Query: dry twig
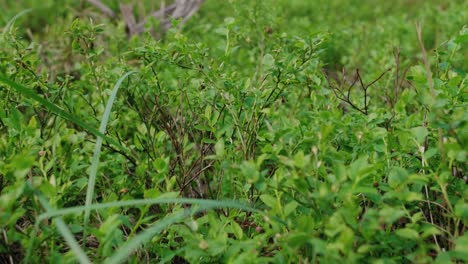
103,8
425,59
180,9
345,96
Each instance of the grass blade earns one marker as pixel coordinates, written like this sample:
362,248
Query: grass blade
130,203
65,232
133,244
10,23
97,147
128,248
30,94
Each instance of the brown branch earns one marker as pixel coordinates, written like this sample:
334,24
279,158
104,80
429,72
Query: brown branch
184,9
364,88
129,18
351,86
103,8
181,9
425,60
378,78
396,54
161,14
347,98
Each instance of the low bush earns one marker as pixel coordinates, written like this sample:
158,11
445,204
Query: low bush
257,132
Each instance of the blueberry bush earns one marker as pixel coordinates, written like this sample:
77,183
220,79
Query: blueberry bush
257,131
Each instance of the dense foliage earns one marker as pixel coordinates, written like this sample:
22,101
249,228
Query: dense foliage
269,131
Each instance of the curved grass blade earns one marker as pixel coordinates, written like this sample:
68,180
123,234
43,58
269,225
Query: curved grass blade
10,23
130,246
97,147
133,244
29,93
129,203
125,251
64,231
33,237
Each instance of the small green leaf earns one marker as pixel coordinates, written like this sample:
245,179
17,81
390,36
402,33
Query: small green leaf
429,230
407,233
420,134
237,230
229,20
290,207
269,200
461,248
359,168
298,239
202,127
208,112
219,148
268,61
397,176
299,159
443,258
461,210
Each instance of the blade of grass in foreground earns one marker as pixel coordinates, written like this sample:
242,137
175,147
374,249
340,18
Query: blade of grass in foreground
129,203
97,147
29,93
64,231
133,244
128,248
10,23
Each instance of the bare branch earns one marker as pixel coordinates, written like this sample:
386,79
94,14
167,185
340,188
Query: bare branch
181,9
424,58
161,14
378,78
184,9
346,98
127,13
351,86
103,8
396,54
192,11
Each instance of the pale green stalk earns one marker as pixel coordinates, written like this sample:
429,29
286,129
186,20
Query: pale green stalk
97,147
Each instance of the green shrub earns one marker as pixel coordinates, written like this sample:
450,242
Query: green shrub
259,132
